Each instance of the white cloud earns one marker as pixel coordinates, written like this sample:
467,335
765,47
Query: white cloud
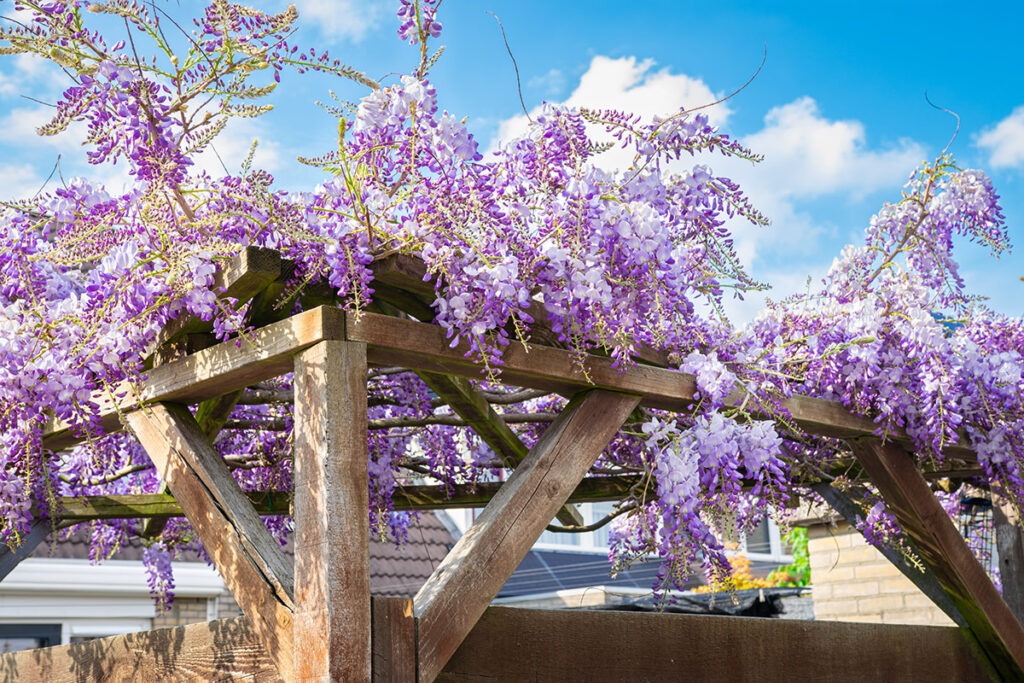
807,155
343,19
1005,141
19,181
630,84
232,146
550,84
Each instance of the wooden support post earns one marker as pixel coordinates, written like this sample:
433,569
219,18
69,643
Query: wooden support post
246,555
332,625
997,630
452,600
471,406
1010,545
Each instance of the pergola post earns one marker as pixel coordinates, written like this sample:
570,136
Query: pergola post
332,622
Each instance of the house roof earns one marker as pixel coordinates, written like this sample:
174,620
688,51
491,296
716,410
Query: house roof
395,571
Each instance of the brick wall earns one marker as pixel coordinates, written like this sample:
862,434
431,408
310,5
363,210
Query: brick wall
851,581
183,611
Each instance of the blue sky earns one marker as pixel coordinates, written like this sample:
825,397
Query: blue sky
839,108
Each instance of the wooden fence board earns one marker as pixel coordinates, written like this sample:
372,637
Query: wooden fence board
942,548
473,572
331,627
223,650
553,646
531,645
394,640
246,555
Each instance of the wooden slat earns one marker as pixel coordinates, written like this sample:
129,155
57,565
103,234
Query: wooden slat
223,650
472,407
246,555
242,278
231,365
332,624
893,472
423,347
394,640
466,581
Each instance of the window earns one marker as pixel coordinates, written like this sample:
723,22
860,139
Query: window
14,637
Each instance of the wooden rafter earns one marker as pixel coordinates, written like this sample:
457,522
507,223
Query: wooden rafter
471,406
247,557
998,632
452,600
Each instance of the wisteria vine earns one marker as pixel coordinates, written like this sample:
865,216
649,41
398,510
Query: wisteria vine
534,241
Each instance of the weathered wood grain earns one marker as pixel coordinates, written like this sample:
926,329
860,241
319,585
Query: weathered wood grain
229,366
332,622
394,640
477,567
223,650
942,548
246,555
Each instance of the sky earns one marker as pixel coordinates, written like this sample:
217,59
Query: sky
840,108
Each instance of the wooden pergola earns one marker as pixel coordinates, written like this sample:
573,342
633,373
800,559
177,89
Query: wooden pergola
315,620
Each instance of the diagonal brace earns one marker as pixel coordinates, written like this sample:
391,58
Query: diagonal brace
944,551
247,557
463,585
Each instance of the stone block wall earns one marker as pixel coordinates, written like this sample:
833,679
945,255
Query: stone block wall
852,581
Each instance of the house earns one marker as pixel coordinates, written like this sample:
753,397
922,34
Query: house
57,596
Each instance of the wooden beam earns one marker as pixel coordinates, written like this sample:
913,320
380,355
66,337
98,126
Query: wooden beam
471,406
1010,547
424,347
241,278
246,555
37,533
466,581
75,509
231,365
923,578
332,624
895,475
